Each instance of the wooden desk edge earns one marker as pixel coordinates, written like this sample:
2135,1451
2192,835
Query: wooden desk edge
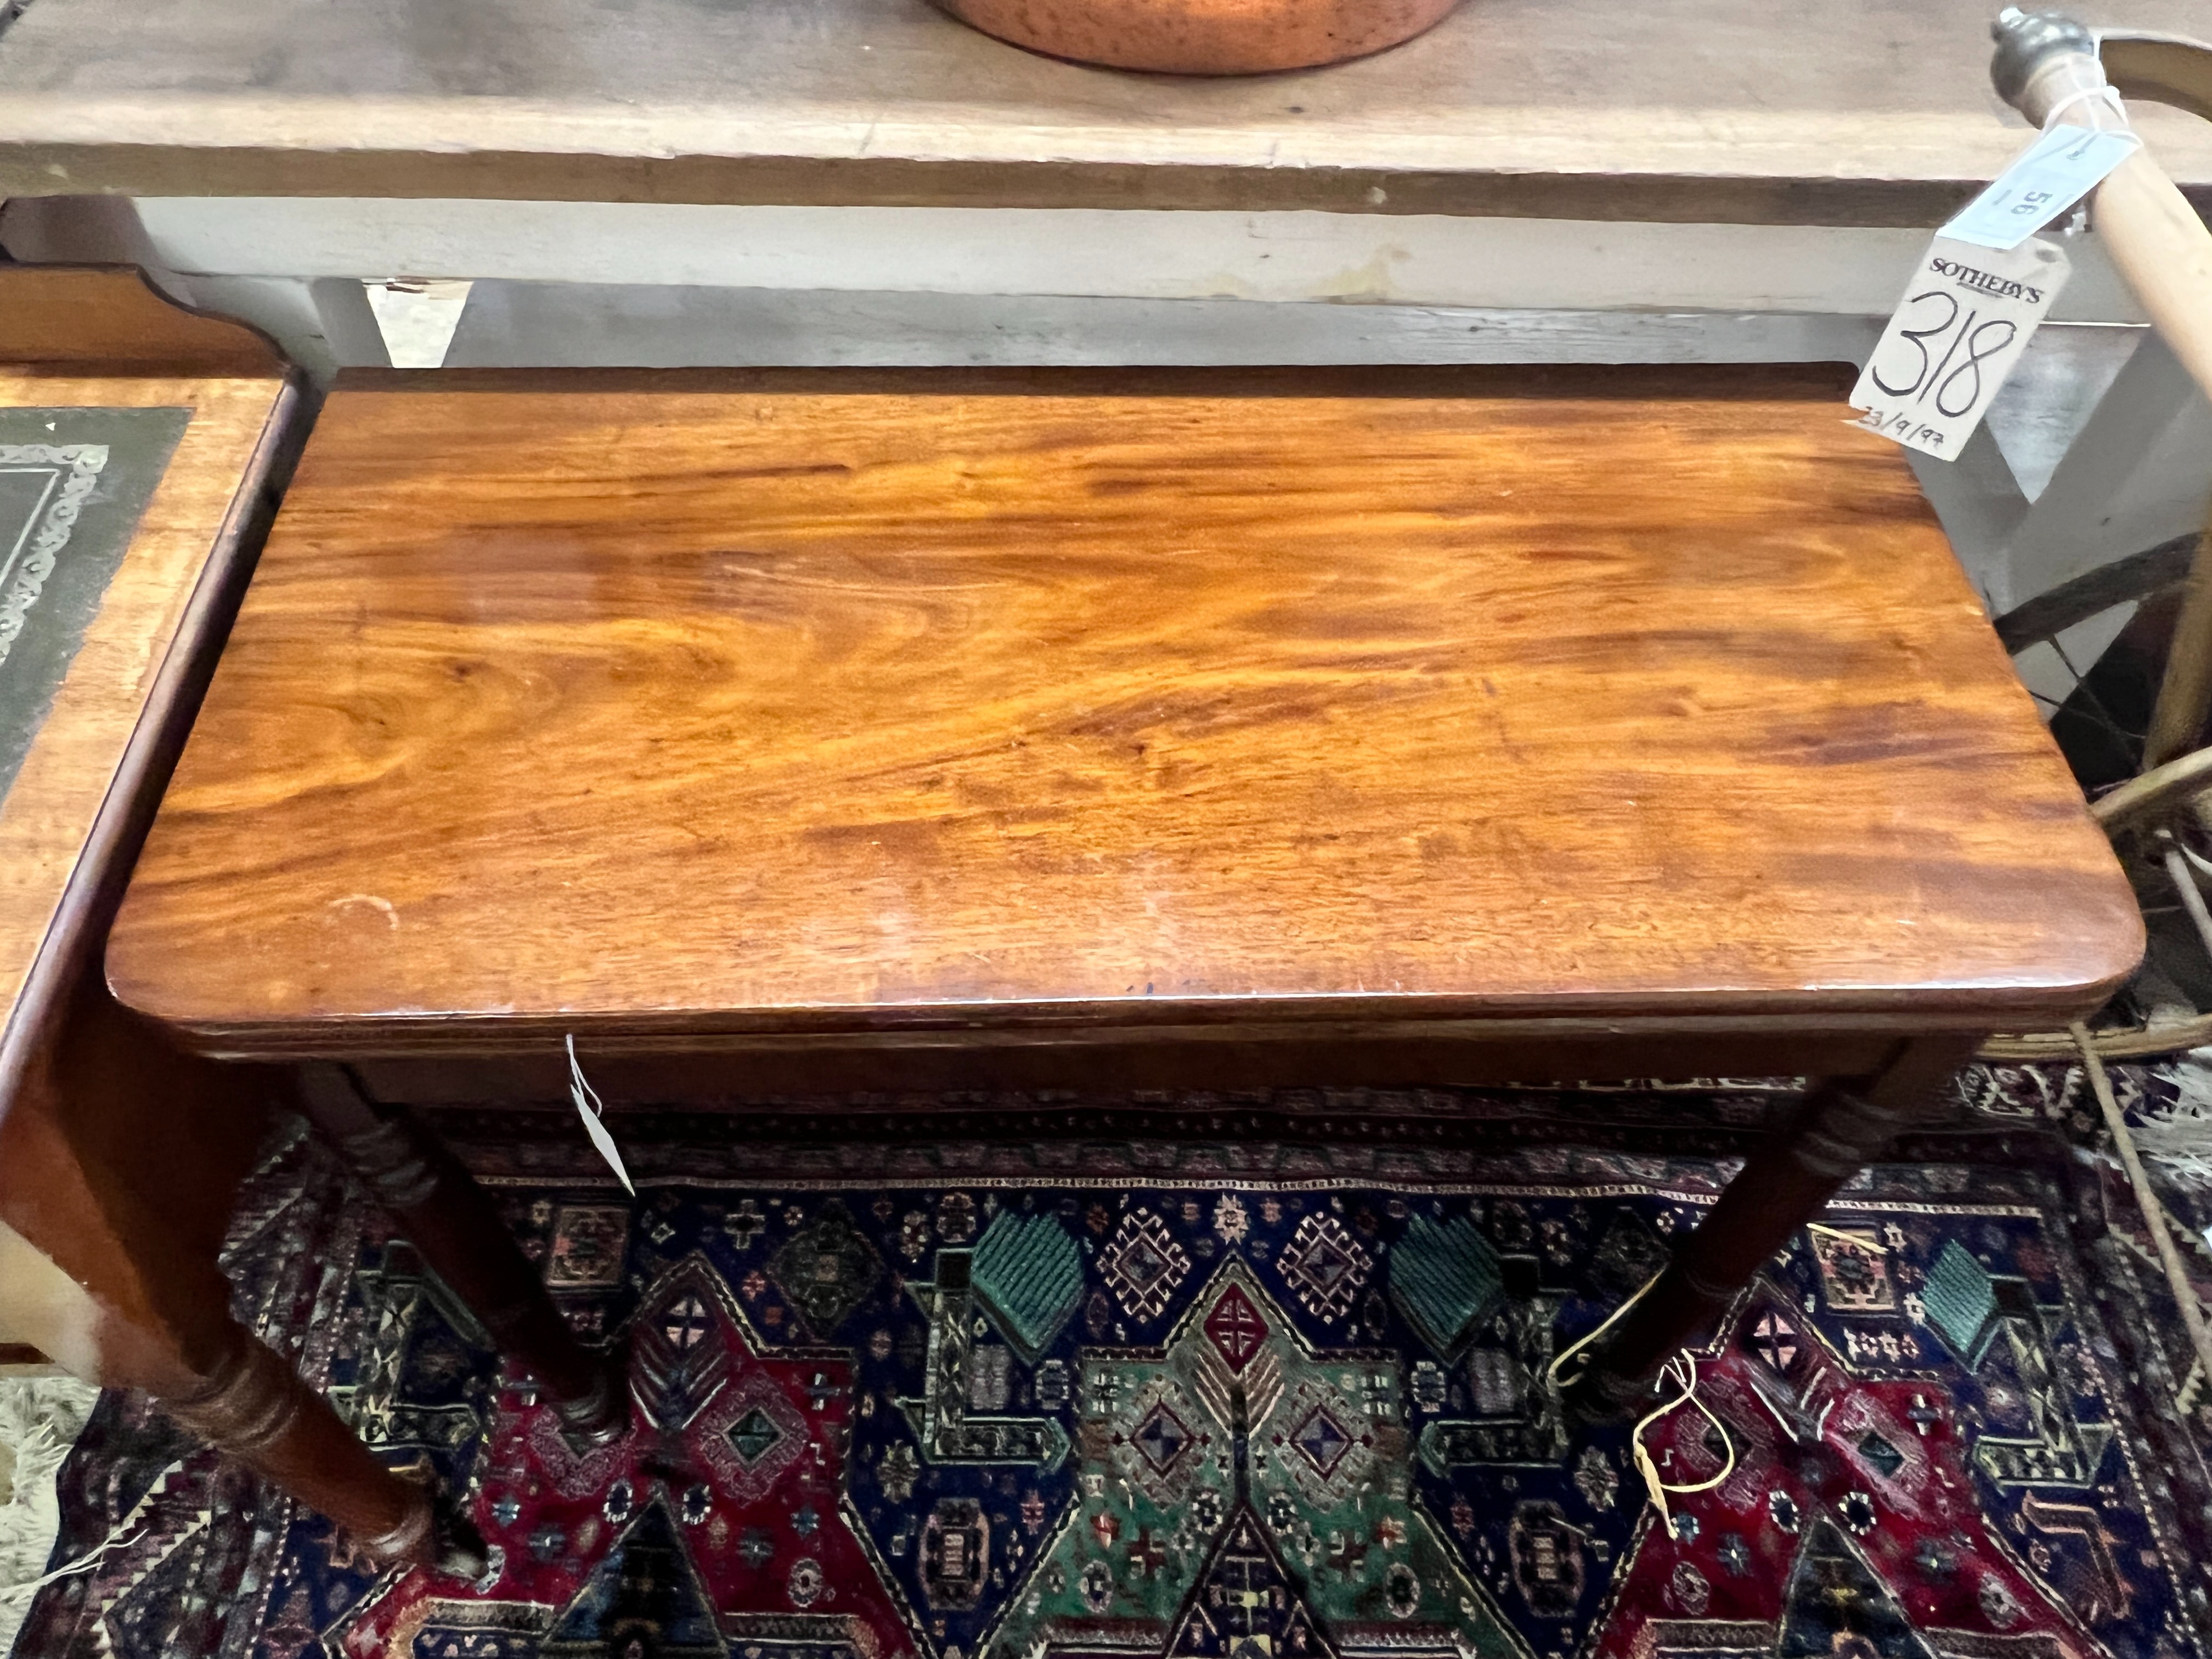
980,1027
96,885
110,318
1228,1058
30,167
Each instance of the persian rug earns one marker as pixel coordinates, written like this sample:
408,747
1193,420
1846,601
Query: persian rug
1265,1389
2172,1119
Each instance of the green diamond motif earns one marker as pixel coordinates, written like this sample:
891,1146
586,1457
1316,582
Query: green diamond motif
1446,1280
753,1436
1030,1274
1962,1301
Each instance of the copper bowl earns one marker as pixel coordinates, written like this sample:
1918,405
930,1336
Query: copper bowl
1203,37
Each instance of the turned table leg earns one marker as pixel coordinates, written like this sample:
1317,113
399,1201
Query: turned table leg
253,1407
245,1400
442,1211
1842,1125
120,1158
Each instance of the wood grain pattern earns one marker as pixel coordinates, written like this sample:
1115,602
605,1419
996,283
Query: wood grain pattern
659,706
1688,111
47,817
96,319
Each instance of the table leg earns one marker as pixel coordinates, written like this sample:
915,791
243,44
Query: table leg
1842,1125
448,1218
254,1408
247,1403
119,1160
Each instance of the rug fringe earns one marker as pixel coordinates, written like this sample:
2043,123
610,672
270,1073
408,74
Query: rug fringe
40,1419
2179,1136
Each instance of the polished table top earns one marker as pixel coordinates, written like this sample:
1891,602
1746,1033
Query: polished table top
802,701
1857,113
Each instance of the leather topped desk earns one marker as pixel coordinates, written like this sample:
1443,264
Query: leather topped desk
141,448
1292,723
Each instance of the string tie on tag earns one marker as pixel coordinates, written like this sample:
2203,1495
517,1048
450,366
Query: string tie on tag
1559,1365
2108,92
1682,1371
592,1109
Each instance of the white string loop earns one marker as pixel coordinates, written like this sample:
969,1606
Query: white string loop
2108,92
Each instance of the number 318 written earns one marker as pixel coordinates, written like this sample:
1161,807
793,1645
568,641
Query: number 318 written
1937,345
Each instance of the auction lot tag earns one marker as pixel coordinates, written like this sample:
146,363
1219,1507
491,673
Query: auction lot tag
1965,318
2057,170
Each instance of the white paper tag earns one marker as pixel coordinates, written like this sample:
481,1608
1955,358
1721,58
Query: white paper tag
2057,170
1965,318
589,1107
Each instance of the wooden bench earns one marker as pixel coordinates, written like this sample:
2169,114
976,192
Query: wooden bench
778,730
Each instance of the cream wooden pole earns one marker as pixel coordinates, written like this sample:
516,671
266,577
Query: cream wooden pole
2147,226
2164,251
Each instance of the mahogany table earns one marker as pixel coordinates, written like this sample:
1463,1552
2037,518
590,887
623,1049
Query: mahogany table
140,447
761,730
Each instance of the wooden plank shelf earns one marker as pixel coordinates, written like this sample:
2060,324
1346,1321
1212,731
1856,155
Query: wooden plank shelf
1685,111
